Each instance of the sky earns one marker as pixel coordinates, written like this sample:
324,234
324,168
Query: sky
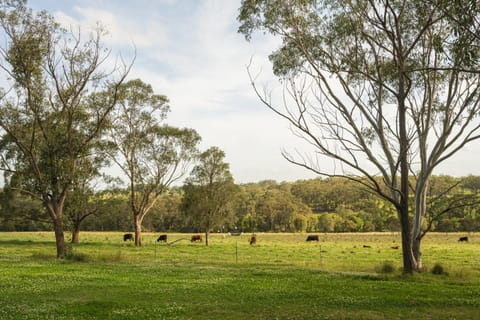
190,51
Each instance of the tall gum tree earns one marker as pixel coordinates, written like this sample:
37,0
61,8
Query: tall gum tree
385,89
52,114
151,154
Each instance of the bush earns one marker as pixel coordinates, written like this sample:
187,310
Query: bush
75,256
438,269
387,267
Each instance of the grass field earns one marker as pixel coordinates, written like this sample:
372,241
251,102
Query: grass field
282,277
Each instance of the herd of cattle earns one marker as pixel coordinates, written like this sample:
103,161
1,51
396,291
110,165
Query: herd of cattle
253,238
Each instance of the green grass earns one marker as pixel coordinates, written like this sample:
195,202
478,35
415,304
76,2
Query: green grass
283,277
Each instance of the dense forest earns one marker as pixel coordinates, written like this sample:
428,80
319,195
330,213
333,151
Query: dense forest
318,205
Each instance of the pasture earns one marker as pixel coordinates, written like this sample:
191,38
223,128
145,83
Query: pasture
282,277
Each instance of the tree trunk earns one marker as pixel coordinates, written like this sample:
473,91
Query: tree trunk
59,237
417,253
408,261
76,233
138,230
207,233
420,210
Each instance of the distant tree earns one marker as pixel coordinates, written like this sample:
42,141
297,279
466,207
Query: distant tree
209,192
113,211
56,107
245,206
169,214
21,212
151,154
81,203
445,225
388,88
326,223
471,182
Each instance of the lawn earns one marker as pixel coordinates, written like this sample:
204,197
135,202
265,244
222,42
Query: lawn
282,277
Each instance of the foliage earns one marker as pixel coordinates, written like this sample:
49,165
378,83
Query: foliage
252,207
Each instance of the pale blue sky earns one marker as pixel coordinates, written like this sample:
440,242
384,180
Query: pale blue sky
190,51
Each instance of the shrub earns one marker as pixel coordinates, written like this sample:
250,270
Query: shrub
438,269
387,267
77,257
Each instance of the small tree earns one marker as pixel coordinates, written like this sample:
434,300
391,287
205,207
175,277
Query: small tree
209,192
152,155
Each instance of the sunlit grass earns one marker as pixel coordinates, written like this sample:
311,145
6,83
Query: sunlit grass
281,277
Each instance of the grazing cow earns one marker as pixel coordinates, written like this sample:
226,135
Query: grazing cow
162,238
463,239
312,238
253,240
196,238
395,247
365,246
128,236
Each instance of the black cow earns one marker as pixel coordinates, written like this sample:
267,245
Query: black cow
312,238
463,239
128,236
162,238
196,238
253,240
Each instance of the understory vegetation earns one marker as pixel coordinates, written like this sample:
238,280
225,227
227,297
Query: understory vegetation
282,277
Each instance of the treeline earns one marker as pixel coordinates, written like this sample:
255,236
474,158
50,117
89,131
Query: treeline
317,205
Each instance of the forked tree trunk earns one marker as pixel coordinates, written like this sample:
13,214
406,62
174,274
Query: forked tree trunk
420,211
417,253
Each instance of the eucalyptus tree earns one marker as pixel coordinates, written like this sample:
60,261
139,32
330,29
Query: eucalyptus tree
151,154
209,192
58,96
384,89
